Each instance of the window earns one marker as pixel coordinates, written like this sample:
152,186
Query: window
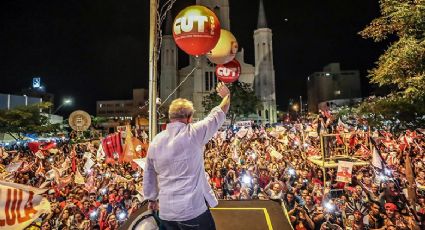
259,113
210,81
267,114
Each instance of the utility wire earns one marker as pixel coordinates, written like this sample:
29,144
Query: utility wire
174,91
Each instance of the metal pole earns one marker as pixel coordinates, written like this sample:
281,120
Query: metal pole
301,105
152,68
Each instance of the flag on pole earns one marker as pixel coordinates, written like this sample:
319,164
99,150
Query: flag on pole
129,150
87,166
78,178
74,160
377,161
48,146
34,146
411,190
100,154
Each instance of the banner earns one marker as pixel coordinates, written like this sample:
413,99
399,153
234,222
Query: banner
20,205
140,162
344,172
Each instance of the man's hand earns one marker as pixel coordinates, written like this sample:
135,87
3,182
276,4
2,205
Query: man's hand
222,90
153,205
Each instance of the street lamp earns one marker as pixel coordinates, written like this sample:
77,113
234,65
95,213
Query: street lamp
66,101
295,107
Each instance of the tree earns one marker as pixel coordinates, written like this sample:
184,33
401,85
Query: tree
243,100
24,120
402,67
97,121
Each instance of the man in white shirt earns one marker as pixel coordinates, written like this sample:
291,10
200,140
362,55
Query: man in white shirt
175,173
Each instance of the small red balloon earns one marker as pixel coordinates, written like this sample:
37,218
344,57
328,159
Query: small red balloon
228,72
196,30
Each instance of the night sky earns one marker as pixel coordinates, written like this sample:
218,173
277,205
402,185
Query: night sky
98,49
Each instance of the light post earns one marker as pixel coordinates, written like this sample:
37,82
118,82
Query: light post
301,105
153,68
66,101
295,107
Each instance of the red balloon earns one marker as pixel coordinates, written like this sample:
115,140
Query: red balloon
196,30
228,72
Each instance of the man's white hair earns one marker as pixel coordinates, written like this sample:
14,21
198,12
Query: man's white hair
180,108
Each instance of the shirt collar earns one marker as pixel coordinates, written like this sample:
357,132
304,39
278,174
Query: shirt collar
175,124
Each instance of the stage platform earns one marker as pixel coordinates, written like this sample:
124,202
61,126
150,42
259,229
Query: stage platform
235,215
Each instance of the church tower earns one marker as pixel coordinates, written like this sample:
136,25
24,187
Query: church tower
220,8
264,81
168,80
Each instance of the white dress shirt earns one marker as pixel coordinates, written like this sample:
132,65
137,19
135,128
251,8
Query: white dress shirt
175,172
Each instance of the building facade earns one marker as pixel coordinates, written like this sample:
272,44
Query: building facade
123,109
332,84
199,75
9,101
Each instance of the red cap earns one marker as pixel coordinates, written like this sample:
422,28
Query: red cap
391,207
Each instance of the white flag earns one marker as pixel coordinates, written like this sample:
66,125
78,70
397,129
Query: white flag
140,162
376,158
88,165
100,153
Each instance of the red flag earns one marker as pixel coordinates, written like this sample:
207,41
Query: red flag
118,143
48,146
74,160
34,146
353,140
107,147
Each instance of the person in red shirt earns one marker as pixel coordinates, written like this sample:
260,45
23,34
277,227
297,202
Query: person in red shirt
218,180
87,209
264,179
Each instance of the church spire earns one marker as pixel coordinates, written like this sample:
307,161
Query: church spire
168,30
262,22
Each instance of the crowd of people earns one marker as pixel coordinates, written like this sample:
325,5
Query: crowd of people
276,164
86,190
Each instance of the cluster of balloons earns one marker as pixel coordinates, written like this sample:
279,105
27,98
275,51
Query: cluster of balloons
197,31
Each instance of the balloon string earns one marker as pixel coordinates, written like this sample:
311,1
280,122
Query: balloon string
174,91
